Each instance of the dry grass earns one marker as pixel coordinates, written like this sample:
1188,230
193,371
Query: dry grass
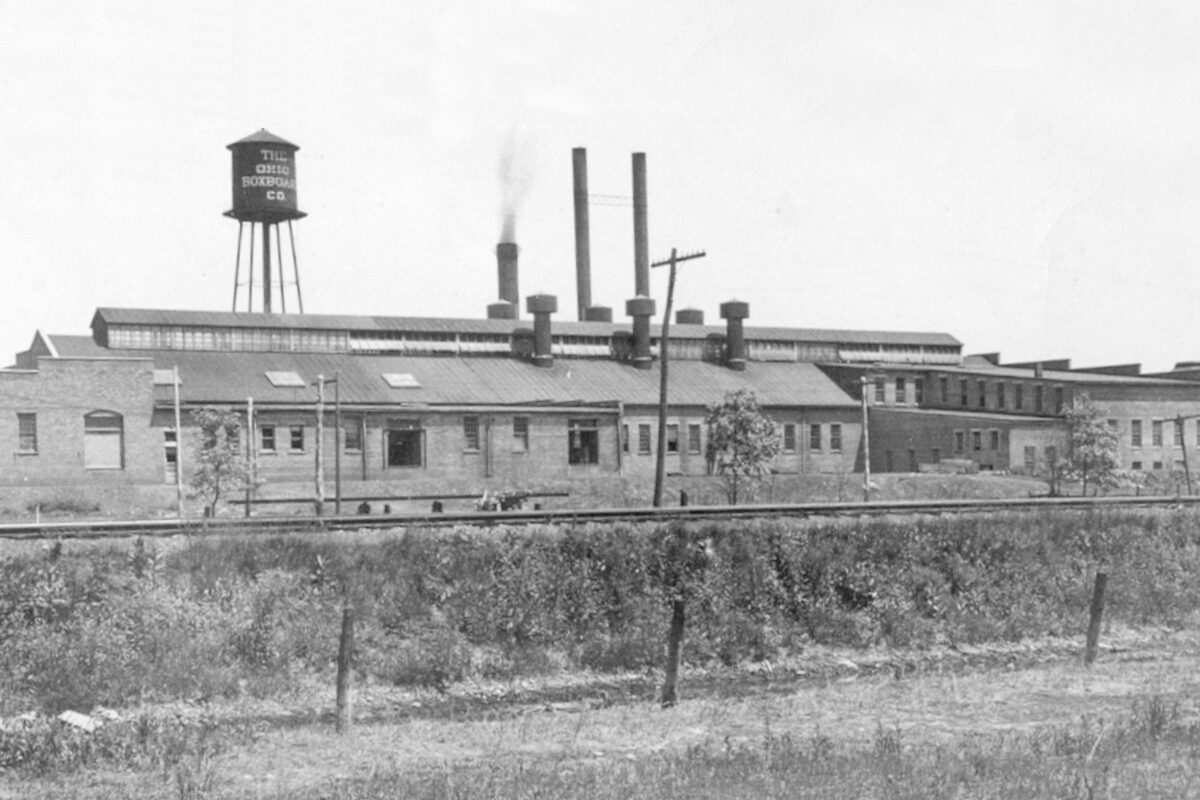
927,710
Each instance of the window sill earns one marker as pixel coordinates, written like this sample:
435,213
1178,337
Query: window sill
25,453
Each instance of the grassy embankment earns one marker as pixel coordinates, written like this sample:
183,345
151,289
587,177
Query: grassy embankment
238,622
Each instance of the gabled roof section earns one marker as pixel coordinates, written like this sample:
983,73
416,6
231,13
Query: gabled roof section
209,377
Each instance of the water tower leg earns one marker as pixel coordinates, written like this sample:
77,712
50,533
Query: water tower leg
266,242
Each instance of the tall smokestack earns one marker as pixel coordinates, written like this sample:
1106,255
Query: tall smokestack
583,246
506,268
641,237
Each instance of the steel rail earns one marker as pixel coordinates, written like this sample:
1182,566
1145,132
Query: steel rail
88,529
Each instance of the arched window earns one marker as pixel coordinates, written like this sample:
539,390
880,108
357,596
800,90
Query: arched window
103,440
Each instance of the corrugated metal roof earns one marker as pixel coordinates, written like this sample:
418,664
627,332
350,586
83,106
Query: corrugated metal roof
79,347
209,377
1057,376
231,319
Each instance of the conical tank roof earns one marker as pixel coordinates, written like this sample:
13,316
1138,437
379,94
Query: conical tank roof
264,136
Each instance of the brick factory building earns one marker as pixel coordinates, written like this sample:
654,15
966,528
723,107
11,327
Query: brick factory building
428,405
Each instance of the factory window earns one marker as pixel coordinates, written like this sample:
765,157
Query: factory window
935,455
1158,465
694,437
103,440
789,437
1156,437
1136,466
976,440
1001,399
1058,400
171,455
814,437
267,438
471,433
960,441
918,391
352,435
672,438
835,437
1039,399
887,461
27,433
1030,459
901,391
644,439
944,391
521,434
403,443
962,392
880,391
290,380
625,438
583,441
1019,400
1135,433
983,394
1052,457
994,440
1178,426
296,438
912,460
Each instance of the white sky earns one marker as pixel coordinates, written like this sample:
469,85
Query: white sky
1020,175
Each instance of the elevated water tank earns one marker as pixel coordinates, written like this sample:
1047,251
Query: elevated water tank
264,179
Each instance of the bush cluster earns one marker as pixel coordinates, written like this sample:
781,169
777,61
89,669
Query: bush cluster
145,622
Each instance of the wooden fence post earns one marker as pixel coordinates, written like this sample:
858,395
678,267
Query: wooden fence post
1097,610
345,663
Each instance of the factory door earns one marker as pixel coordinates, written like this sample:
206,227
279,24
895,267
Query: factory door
404,443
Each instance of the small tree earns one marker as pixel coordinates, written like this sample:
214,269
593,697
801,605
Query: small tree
1093,441
221,467
741,441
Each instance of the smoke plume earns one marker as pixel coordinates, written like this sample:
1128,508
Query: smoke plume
514,181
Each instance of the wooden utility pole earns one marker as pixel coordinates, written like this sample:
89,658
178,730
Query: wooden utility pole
866,437
664,340
320,459
178,446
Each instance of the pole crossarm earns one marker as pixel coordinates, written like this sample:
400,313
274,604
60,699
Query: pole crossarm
675,259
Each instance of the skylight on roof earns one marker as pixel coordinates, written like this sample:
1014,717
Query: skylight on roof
401,380
286,379
165,377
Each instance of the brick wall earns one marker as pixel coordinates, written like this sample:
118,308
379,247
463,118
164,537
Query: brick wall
59,394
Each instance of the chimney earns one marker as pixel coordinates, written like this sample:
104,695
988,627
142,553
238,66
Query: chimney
502,310
641,237
542,306
641,308
506,267
733,312
689,316
597,314
583,247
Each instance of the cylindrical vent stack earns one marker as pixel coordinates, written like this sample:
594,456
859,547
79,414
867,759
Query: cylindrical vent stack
502,310
689,316
506,269
541,306
733,312
598,314
641,236
641,308
583,246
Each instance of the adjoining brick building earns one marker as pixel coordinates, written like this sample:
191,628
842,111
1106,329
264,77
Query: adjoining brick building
1009,417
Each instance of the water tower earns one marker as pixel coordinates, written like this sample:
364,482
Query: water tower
264,194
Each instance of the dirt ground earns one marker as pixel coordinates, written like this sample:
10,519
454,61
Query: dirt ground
844,696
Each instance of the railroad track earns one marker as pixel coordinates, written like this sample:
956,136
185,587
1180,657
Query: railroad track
299,524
